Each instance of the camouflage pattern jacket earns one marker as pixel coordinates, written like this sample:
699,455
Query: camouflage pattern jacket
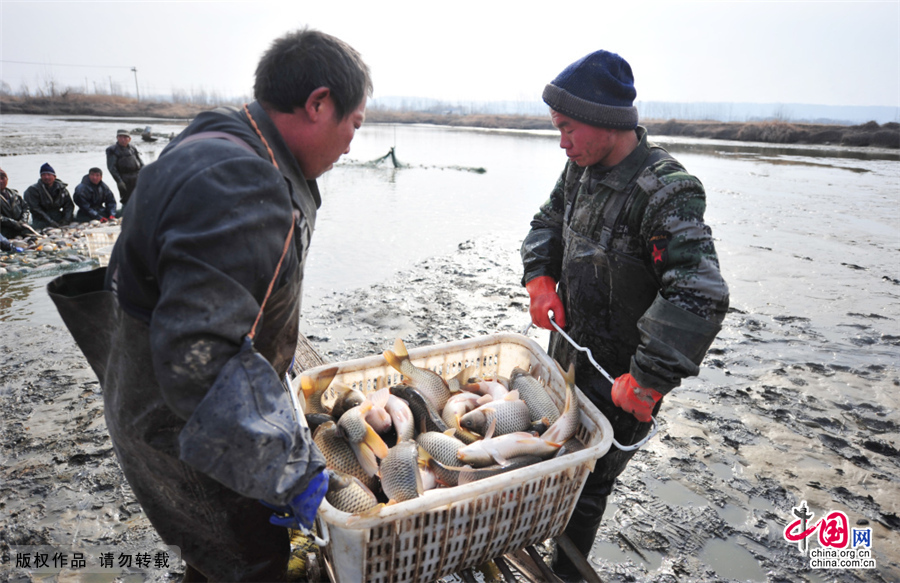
637,269
13,211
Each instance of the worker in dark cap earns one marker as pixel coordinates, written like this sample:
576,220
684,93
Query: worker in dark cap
621,258
49,201
124,163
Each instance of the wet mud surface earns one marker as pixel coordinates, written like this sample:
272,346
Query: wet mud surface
797,399
707,500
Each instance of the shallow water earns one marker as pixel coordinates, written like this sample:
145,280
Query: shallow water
808,241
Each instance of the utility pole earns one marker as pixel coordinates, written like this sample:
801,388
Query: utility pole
136,90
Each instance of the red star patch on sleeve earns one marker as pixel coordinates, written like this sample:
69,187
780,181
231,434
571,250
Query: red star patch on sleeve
657,254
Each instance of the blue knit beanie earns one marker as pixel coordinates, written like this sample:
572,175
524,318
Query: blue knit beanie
597,90
48,169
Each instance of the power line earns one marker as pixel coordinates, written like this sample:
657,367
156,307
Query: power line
66,65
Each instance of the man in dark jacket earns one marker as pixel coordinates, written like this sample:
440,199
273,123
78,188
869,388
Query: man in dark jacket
638,277
14,215
49,201
210,257
95,201
124,163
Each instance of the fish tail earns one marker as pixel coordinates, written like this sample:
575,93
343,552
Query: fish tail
393,360
320,382
380,397
569,375
374,442
400,349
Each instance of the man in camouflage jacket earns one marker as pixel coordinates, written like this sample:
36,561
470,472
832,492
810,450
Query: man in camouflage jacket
14,214
638,277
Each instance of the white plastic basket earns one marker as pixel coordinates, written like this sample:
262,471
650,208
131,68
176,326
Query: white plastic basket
450,529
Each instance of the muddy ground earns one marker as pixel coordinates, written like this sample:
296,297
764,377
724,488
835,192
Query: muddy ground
706,500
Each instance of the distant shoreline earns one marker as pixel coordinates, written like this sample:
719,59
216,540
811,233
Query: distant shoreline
869,134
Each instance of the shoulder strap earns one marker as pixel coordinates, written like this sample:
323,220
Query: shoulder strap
617,203
287,242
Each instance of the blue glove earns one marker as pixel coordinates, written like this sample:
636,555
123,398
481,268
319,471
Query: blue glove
302,509
18,250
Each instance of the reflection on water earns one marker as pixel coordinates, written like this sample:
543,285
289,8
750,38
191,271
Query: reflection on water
24,298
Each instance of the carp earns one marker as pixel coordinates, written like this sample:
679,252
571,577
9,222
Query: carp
535,395
425,417
348,494
366,443
339,455
400,478
565,427
441,446
314,387
501,449
428,382
511,415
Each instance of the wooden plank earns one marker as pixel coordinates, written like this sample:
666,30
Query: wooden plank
525,565
566,545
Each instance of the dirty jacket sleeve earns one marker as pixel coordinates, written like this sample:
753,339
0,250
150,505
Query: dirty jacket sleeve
111,163
682,322
33,201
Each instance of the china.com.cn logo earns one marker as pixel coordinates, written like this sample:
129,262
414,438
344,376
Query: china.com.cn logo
841,547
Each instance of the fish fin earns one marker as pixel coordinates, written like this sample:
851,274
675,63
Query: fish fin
374,442
366,458
400,349
420,485
364,408
370,513
310,385
450,432
380,397
460,380
484,399
569,375
511,396
545,421
392,359
490,429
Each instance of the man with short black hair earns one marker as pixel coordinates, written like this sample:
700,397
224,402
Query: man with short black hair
124,163
95,201
199,322
623,238
14,215
49,201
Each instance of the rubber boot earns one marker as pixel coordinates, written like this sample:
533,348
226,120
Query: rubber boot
582,529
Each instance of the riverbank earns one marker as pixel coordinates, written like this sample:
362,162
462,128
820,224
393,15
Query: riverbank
870,134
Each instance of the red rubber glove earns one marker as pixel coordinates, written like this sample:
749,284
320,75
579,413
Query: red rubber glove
628,395
103,219
542,290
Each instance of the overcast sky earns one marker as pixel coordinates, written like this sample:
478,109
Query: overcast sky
830,53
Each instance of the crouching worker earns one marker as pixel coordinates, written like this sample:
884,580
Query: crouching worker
192,327
95,201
